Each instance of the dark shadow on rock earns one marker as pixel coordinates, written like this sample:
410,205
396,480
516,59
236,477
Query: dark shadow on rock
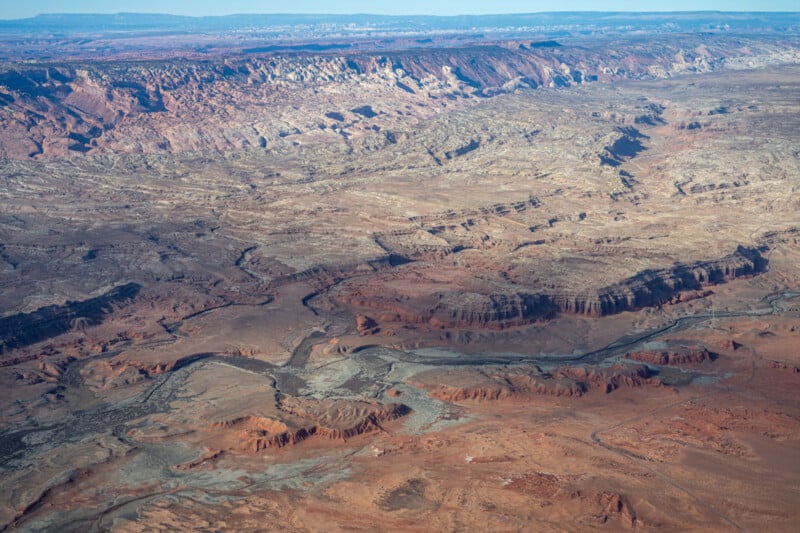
23,329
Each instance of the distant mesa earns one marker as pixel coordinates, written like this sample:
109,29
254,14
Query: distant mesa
542,44
310,47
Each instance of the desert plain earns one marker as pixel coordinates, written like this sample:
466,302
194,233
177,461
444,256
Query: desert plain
490,284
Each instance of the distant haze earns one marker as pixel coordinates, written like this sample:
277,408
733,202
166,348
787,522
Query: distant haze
10,9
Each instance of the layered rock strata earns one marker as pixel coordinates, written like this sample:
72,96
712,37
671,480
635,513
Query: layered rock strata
301,419
687,356
58,109
503,384
648,288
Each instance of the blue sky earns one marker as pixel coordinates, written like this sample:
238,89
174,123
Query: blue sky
28,8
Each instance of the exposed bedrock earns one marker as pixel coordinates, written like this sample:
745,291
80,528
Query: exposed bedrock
648,288
60,109
686,356
608,379
300,419
495,310
520,383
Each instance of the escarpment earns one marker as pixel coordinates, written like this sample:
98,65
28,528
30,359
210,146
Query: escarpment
299,419
530,381
608,379
670,357
495,310
241,101
521,305
653,288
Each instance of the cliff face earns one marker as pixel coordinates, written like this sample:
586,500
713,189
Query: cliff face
301,419
523,383
653,288
608,379
241,101
686,356
646,289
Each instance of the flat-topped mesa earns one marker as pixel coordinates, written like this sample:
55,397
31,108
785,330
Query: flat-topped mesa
464,309
490,385
685,356
525,383
494,310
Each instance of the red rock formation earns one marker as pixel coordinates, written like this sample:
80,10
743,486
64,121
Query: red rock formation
129,106
617,506
464,309
487,385
301,419
672,358
499,392
609,378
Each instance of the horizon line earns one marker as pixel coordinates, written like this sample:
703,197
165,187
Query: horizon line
593,11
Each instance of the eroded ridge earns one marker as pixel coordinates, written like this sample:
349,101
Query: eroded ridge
499,310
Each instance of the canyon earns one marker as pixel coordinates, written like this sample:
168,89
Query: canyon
514,277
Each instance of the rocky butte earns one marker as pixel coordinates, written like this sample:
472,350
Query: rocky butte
365,273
